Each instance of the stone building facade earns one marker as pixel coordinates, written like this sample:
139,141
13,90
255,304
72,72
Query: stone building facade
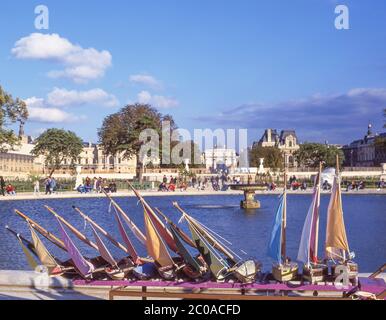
365,152
286,141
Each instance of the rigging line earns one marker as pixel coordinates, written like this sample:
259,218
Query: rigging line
214,250
218,241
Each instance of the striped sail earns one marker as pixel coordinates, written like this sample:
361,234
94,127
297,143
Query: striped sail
308,248
336,239
103,251
84,267
275,243
155,245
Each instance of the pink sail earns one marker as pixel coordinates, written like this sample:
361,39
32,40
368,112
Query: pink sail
104,252
126,238
84,267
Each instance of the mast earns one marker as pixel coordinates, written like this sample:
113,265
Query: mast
316,235
284,221
75,231
48,235
137,232
340,194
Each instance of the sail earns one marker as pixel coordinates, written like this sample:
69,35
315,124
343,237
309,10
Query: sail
84,267
213,259
211,239
275,243
336,239
136,231
126,238
155,245
158,224
183,251
104,252
44,256
31,261
308,248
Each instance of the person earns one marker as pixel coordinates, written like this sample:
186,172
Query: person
172,187
10,190
304,186
36,187
47,184
162,187
53,185
381,184
2,185
81,188
95,185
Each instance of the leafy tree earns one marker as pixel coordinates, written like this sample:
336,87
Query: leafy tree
311,154
57,145
120,131
273,157
11,111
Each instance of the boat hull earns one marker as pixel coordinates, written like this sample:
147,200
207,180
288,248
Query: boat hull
351,268
247,271
315,273
286,272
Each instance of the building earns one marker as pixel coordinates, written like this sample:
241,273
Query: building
21,163
365,152
220,159
286,141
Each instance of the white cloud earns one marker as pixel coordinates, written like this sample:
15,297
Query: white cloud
146,80
80,65
157,101
38,112
63,97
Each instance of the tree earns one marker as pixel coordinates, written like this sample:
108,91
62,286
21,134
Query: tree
11,111
273,157
58,145
121,131
311,154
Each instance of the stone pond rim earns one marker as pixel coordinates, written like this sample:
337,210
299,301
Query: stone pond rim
249,194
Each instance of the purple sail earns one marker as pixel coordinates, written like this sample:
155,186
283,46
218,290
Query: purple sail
84,267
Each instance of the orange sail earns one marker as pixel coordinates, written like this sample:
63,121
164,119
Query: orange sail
336,238
155,246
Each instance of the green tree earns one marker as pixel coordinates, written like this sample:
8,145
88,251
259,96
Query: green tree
120,131
273,157
11,111
57,145
311,154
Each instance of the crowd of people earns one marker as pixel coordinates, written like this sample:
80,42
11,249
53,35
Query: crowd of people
217,183
97,185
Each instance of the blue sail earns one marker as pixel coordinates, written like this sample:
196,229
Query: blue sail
274,246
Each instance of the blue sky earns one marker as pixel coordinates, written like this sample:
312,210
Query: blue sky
211,64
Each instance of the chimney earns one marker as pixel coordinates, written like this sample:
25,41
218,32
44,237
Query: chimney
269,135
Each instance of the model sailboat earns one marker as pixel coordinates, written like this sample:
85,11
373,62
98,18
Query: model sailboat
337,247
313,270
283,269
212,250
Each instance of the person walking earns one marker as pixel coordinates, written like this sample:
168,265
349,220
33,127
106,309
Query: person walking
47,184
2,185
36,188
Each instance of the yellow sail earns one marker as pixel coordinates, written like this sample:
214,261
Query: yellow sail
45,257
155,245
30,259
336,238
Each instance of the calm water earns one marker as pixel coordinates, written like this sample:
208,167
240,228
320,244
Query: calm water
365,217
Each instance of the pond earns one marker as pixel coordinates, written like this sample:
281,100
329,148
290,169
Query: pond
365,218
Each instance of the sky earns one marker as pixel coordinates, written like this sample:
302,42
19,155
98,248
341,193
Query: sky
210,64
